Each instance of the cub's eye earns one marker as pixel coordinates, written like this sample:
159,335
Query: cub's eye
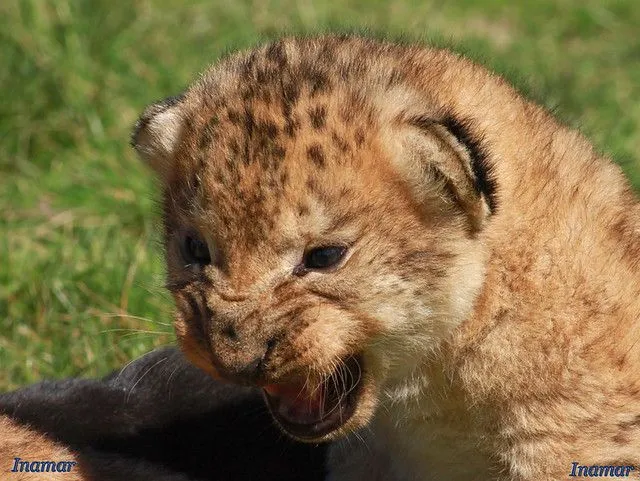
195,250
323,257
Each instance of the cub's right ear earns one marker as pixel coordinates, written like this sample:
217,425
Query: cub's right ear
157,134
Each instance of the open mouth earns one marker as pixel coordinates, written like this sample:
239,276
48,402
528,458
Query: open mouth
311,412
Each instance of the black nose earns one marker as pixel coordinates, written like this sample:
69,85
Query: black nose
242,359
253,370
230,333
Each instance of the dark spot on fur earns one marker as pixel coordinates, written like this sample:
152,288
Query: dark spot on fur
248,94
316,155
270,155
188,124
631,424
234,117
249,121
219,177
234,148
262,76
312,185
358,67
248,66
278,152
339,142
269,220
345,192
327,53
265,95
317,116
344,218
318,81
201,160
268,129
247,152
208,133
303,210
621,438
395,78
624,231
359,136
291,127
277,54
354,105
344,71
290,93
432,261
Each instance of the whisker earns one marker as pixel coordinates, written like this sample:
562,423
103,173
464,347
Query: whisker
142,377
134,331
136,318
127,365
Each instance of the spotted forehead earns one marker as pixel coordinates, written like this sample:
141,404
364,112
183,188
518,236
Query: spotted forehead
275,135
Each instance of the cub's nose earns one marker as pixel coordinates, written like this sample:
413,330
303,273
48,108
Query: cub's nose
242,358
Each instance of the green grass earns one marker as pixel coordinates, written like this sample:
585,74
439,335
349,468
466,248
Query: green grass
80,265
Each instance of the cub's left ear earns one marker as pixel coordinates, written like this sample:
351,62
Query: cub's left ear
438,157
157,134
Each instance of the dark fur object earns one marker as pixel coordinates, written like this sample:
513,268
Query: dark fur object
161,419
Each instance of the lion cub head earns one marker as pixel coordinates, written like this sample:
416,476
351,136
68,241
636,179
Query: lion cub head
320,218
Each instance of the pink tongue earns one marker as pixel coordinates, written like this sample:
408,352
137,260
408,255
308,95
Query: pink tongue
296,403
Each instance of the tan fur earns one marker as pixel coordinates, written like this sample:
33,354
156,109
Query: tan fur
19,441
498,321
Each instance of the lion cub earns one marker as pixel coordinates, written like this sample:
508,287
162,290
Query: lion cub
408,257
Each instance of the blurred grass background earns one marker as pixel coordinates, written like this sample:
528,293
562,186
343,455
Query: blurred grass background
80,267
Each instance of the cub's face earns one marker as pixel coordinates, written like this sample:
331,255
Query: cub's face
312,250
